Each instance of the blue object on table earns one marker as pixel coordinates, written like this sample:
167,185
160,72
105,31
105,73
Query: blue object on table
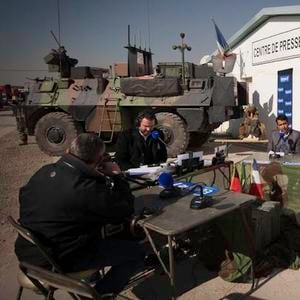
207,190
166,181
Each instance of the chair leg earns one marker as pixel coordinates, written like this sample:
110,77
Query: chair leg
102,272
50,295
19,293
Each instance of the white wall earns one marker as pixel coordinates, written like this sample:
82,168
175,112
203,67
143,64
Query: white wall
262,77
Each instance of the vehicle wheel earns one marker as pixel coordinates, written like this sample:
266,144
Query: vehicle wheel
175,132
55,131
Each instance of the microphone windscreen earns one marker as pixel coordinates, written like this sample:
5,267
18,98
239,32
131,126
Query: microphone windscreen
165,180
155,134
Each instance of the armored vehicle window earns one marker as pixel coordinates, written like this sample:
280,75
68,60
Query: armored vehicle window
47,86
197,84
172,72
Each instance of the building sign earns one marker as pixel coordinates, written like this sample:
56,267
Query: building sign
277,47
285,94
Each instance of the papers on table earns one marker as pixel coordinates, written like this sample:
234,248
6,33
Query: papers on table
142,170
291,163
181,157
260,162
151,172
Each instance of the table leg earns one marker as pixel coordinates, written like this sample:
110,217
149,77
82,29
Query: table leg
172,267
156,252
171,272
249,240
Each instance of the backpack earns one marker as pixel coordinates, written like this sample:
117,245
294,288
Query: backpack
236,267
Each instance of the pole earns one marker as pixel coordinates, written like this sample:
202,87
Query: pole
182,59
182,48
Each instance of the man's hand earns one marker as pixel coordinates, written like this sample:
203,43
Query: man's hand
106,157
109,168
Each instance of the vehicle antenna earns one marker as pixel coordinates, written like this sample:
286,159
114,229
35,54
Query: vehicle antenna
58,19
148,23
55,38
128,32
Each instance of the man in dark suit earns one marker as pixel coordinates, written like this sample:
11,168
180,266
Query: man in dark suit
284,139
139,146
67,203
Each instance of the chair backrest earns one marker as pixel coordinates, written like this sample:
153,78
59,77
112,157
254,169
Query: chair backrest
31,237
59,281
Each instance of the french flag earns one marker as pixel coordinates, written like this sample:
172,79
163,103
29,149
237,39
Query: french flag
256,188
223,47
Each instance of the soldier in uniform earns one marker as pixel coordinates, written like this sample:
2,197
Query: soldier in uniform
252,127
21,125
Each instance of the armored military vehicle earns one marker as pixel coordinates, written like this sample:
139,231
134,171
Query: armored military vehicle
96,100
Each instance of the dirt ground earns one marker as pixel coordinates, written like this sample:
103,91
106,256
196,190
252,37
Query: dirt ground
17,164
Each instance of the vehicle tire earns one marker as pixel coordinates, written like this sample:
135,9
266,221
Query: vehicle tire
55,131
175,132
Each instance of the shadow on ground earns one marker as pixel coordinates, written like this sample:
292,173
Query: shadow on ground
190,273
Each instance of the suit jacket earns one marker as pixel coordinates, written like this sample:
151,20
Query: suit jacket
65,204
293,141
133,150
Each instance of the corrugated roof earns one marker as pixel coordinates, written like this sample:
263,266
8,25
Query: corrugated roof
261,17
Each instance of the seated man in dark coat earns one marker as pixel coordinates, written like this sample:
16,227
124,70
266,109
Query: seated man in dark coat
67,203
138,146
284,139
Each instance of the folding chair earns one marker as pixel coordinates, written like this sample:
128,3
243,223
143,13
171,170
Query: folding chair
56,281
23,279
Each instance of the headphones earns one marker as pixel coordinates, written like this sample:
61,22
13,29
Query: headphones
145,114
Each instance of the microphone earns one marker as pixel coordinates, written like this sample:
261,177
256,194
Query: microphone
166,181
201,201
156,136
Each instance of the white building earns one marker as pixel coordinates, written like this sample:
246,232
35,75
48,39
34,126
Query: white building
268,61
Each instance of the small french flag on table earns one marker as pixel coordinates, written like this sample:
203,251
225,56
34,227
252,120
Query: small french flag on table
235,184
256,188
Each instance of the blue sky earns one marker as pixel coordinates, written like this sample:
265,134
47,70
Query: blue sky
95,31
